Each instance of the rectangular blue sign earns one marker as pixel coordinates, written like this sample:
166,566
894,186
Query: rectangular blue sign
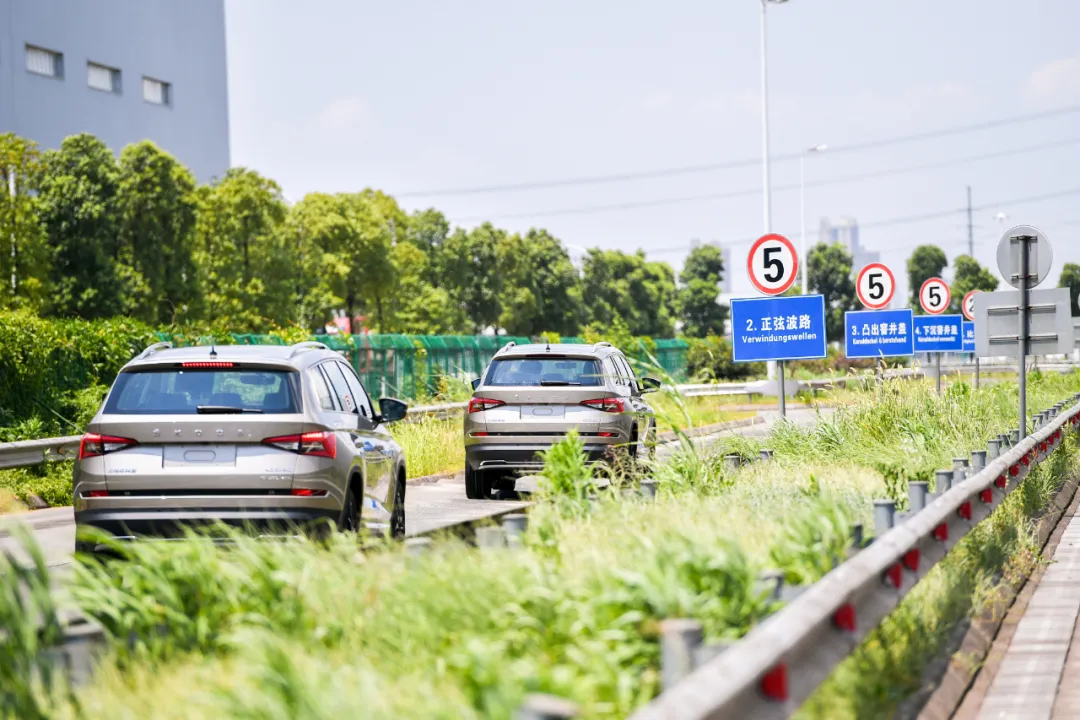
878,333
939,333
969,336
778,328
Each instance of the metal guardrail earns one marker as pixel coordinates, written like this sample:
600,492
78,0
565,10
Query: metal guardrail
775,667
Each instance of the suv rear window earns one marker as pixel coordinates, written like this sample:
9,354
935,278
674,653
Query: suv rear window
554,371
182,391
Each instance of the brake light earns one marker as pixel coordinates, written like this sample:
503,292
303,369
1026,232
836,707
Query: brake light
478,404
308,492
93,445
206,364
611,405
317,444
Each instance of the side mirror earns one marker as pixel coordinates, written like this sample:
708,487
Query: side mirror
391,410
649,384
475,383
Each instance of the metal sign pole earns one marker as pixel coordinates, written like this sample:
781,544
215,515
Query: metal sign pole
1024,241
783,391
976,372
937,370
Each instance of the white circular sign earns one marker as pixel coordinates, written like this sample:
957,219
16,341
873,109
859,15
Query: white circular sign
875,286
934,296
1040,255
772,264
968,306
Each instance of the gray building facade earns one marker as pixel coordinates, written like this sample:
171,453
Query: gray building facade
123,70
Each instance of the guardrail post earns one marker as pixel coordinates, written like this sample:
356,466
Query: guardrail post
770,581
942,481
993,448
1014,437
490,537
514,525
916,496
648,489
679,638
857,539
766,455
884,516
546,707
978,460
732,461
959,470
417,546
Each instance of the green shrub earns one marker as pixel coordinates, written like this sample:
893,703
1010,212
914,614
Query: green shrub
709,359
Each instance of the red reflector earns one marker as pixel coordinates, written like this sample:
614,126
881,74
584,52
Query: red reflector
1001,482
206,364
605,434
98,493
964,511
611,405
941,532
1026,460
1014,470
1042,446
987,496
478,404
895,574
774,685
844,619
93,445
911,560
479,434
308,492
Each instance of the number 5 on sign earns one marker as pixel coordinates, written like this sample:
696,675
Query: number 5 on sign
875,286
934,296
772,264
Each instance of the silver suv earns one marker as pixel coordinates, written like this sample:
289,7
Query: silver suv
530,396
271,438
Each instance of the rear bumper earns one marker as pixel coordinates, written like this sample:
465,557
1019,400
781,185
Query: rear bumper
130,524
523,457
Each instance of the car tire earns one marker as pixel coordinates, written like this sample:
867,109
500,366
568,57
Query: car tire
85,548
477,487
397,516
350,513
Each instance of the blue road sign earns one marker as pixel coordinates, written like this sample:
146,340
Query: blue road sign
969,337
939,333
878,333
778,328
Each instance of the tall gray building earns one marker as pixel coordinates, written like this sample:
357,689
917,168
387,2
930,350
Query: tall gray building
846,232
123,70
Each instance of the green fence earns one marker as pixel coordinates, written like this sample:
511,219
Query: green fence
417,366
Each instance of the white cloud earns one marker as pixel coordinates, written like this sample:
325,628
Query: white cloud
939,98
1058,80
344,113
657,100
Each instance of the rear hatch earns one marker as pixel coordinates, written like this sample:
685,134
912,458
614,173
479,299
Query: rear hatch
541,395
201,427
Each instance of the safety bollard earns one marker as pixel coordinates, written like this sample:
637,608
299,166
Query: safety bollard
545,707
978,460
679,639
884,516
917,496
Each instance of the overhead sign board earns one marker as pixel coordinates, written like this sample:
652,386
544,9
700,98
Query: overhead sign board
778,328
878,333
997,323
969,337
875,286
934,296
1040,256
772,264
940,333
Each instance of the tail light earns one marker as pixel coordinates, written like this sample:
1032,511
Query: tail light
98,493
611,405
478,404
308,492
317,444
93,445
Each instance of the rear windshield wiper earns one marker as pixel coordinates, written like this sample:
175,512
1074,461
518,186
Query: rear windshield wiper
557,383
224,410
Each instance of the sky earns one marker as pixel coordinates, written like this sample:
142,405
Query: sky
431,101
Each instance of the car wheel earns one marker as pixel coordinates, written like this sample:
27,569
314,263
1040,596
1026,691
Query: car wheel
476,485
397,517
85,548
350,514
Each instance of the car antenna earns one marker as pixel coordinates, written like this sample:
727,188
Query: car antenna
549,346
213,352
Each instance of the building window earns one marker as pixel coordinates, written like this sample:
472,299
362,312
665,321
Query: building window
103,78
44,62
156,91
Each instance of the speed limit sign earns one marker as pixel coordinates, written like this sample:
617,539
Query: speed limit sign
875,286
934,296
772,264
968,306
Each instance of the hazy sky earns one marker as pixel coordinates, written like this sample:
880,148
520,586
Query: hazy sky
411,97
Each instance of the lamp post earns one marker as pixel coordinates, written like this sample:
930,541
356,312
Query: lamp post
771,365
802,210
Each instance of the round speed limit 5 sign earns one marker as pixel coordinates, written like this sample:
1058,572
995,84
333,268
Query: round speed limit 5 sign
772,264
875,286
968,306
934,296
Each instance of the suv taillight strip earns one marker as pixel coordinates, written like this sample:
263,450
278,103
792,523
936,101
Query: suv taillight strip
93,445
608,404
479,404
318,444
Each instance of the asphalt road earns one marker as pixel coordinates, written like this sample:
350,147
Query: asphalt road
427,506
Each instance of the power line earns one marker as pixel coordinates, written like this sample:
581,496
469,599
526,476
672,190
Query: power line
732,164
753,192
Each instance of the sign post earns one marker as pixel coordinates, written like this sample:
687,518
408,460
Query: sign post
773,266
874,287
968,308
934,297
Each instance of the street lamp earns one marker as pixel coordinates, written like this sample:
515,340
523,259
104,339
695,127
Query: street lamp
771,365
802,209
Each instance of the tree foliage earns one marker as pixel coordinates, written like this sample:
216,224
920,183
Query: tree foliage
1070,278
969,275
926,262
24,253
829,275
700,279
642,293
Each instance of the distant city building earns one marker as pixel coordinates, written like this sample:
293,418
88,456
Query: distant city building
846,232
122,70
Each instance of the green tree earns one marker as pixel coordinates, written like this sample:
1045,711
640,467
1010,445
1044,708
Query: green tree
428,231
926,262
969,275
242,258
156,199
78,208
320,234
472,280
617,284
541,286
700,279
378,224
416,307
1070,278
24,252
829,275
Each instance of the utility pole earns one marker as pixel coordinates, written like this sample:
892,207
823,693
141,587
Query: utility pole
971,230
14,259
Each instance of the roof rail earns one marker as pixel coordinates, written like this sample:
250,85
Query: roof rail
153,349
507,346
602,343
308,345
